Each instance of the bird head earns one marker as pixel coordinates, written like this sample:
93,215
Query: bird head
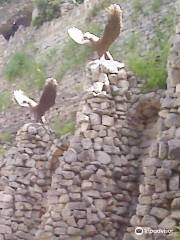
90,37
51,80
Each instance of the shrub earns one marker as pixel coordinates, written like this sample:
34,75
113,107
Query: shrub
79,1
23,65
178,233
156,4
6,137
2,151
96,8
151,64
5,1
151,67
5,100
48,9
137,9
62,128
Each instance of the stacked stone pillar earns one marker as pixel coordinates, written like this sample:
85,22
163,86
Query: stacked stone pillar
24,182
94,188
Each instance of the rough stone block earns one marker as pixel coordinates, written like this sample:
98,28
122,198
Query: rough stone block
160,186
174,149
160,213
175,203
142,210
86,143
172,120
107,120
163,173
174,182
163,150
95,119
103,157
175,214
90,230
167,223
149,221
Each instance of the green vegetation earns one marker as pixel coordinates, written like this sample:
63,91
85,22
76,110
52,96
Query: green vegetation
151,67
137,9
62,128
74,55
5,137
156,5
2,151
137,6
5,100
47,10
79,1
23,65
178,233
5,1
97,7
149,64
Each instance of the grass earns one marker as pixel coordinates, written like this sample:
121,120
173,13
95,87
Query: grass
156,5
97,8
178,233
62,128
5,1
2,151
137,5
48,9
5,100
22,65
75,55
150,64
151,67
137,9
5,137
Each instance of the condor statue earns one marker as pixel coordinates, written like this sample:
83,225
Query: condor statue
111,32
47,100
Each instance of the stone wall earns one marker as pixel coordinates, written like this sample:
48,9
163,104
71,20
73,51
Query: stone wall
159,199
24,182
93,189
119,171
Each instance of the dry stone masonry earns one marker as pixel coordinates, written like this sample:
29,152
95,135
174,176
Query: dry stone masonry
94,188
118,172
24,182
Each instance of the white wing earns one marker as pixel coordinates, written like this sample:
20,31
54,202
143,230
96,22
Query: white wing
23,100
77,35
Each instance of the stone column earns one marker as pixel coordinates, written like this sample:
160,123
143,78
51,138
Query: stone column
94,188
24,181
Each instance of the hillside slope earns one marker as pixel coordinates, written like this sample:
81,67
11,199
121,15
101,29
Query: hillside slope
55,55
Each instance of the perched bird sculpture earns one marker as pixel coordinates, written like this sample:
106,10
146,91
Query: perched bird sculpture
111,32
47,100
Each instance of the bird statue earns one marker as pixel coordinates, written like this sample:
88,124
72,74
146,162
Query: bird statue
111,32
47,100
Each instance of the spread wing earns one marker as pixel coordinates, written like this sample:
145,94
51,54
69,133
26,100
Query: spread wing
77,35
48,97
113,26
23,100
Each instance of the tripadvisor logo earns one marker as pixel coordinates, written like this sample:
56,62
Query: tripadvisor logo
139,231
